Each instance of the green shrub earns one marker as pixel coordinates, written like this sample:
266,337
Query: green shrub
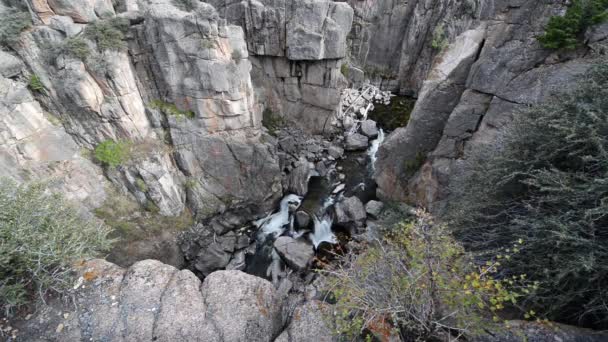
417,282
74,47
108,34
171,109
41,238
439,40
35,84
566,32
12,24
112,153
547,185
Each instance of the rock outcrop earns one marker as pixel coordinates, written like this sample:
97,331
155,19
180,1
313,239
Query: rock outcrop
493,68
151,301
296,48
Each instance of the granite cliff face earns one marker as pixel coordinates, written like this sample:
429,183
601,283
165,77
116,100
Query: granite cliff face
192,62
474,86
296,48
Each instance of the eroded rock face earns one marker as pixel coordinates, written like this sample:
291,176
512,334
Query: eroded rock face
472,92
151,301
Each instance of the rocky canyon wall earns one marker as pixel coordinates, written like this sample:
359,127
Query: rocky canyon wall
476,83
296,49
179,92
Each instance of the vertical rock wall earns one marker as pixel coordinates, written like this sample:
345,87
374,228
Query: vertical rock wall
504,69
181,95
296,49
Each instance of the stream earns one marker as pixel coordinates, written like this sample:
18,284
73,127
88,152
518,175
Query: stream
318,203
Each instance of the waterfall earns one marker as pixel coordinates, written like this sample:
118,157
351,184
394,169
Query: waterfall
275,224
374,148
322,232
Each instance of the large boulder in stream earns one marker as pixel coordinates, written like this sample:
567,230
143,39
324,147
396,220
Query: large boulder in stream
350,209
297,253
356,142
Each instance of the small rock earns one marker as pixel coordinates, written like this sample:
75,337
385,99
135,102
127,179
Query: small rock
335,151
296,253
374,208
356,142
369,129
59,328
341,177
338,189
302,219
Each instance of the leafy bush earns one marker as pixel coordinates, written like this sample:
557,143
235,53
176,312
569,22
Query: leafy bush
548,186
112,153
12,24
439,40
35,84
74,46
171,109
41,237
108,34
419,283
565,32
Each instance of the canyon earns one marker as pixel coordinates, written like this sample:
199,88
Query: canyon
249,119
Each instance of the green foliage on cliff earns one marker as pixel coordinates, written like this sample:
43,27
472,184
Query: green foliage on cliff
12,24
35,84
112,153
417,282
108,34
41,238
565,32
171,109
548,186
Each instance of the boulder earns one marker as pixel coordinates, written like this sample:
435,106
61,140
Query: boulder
374,208
335,151
356,142
308,324
369,129
297,253
298,178
302,219
350,209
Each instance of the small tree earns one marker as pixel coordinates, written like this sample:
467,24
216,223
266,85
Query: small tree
419,283
565,32
547,184
41,237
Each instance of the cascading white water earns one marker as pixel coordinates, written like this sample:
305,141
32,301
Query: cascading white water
373,149
322,232
275,224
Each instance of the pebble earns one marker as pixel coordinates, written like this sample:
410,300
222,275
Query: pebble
59,328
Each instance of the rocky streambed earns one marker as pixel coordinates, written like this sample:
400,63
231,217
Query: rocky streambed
329,195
